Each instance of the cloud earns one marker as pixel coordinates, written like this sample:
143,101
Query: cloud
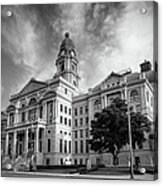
108,36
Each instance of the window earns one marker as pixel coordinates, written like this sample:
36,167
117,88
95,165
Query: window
81,133
65,90
32,101
151,102
86,120
23,116
138,108
32,114
69,146
134,96
62,67
49,145
60,145
76,111
81,146
76,147
40,139
76,122
147,94
70,122
81,121
81,161
81,110
61,161
69,111
73,68
41,112
131,108
65,110
61,119
97,104
50,111
87,133
74,82
47,161
87,146
76,134
65,121
86,109
40,145
61,107
11,118
75,161
61,132
65,146
49,131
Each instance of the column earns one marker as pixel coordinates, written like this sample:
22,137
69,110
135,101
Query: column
36,139
16,120
105,97
53,110
14,142
26,141
45,111
56,111
6,143
8,119
102,102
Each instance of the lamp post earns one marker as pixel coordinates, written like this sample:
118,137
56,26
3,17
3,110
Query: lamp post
129,134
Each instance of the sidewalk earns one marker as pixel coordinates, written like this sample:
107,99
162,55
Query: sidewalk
145,177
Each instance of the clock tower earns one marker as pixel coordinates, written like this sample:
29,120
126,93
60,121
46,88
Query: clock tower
67,63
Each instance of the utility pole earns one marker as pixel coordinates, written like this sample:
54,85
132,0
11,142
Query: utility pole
129,134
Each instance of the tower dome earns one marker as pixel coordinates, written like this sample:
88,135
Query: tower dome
67,44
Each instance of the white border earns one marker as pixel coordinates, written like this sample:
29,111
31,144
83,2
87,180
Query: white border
68,182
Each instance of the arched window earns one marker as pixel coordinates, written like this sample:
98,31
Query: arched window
23,105
97,104
62,67
32,101
134,96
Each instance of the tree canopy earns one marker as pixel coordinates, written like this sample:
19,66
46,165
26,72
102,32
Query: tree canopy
109,129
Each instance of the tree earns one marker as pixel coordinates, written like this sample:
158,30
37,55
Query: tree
109,129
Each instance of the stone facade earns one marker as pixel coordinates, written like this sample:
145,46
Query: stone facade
53,117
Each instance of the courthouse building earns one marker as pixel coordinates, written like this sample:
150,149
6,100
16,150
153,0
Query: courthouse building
54,118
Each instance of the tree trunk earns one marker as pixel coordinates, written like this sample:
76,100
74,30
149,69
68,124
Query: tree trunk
115,159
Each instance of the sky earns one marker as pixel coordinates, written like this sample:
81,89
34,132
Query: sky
107,36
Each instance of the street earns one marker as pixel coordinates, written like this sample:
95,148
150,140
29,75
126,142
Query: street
145,177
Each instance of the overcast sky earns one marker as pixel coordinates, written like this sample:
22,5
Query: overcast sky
107,36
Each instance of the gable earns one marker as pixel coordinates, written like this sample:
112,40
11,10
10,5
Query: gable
113,78
32,86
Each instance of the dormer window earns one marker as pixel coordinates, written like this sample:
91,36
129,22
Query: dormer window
97,104
134,96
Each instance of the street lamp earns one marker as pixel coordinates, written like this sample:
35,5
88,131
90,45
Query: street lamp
129,134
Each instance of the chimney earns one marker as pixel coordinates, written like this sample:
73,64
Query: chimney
145,66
